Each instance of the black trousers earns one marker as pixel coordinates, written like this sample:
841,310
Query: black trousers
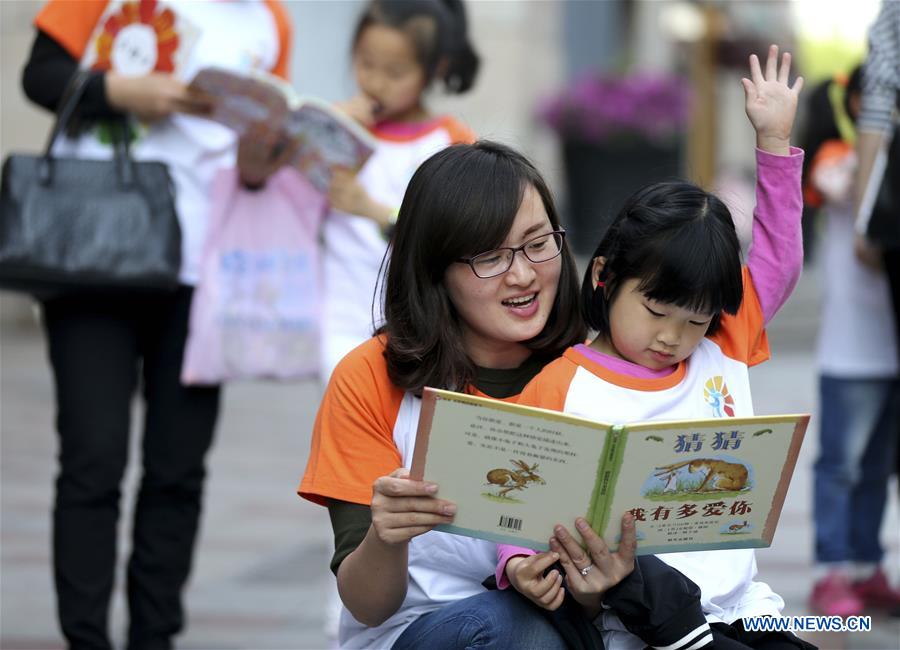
102,348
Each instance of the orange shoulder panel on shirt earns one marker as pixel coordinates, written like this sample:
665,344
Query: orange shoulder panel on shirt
550,386
459,132
285,36
742,337
70,22
831,151
353,436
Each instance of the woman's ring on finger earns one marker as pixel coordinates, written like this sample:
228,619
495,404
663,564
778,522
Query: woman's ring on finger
586,570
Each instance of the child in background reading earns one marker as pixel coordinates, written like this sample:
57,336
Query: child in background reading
399,49
679,323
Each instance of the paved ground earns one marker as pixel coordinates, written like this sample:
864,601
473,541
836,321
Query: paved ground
260,578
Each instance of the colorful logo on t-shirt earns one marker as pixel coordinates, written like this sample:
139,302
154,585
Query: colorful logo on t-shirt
716,394
138,39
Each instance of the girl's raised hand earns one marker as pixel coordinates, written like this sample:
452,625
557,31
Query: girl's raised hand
771,103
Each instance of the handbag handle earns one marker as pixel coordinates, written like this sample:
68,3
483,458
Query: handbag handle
122,151
67,105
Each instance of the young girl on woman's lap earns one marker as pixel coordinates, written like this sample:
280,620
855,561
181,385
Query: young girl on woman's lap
679,318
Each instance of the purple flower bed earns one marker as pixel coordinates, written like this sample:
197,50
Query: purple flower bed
607,108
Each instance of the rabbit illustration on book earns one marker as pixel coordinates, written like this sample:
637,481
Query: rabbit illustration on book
514,479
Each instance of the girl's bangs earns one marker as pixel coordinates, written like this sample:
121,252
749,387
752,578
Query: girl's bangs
700,274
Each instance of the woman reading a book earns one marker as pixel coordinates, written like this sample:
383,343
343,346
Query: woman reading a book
480,295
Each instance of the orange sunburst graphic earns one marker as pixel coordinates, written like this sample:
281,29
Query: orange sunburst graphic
716,394
138,39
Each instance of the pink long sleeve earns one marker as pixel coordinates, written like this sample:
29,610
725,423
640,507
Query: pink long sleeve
504,553
776,256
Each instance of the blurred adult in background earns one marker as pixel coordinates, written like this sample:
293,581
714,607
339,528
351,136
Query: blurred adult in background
881,85
859,394
103,347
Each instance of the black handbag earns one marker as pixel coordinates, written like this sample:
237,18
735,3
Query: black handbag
884,222
74,224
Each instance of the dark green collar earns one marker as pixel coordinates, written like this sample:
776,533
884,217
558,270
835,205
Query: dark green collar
507,382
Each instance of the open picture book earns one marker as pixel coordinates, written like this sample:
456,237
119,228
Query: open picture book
325,137
515,471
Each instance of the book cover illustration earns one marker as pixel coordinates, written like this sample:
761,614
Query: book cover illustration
693,485
324,138
506,480
514,472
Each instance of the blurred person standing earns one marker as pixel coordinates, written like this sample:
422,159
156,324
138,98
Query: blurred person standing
102,347
881,96
399,49
859,393
881,84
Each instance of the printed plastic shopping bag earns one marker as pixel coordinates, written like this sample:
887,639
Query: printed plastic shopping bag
255,311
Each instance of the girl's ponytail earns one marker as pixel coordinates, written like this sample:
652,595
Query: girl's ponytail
463,61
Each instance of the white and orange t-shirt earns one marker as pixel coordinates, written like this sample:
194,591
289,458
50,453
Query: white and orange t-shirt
713,382
177,37
366,428
354,245
857,339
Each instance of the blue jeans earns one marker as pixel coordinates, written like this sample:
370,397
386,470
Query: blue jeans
858,431
493,619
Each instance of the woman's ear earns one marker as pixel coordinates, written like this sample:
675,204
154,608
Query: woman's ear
597,267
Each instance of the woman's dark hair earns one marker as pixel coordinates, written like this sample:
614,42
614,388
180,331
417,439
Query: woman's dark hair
680,242
460,202
439,31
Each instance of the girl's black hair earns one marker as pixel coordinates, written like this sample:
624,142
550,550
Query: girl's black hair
439,30
679,241
460,202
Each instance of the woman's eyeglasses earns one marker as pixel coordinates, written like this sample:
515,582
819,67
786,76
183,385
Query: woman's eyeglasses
542,248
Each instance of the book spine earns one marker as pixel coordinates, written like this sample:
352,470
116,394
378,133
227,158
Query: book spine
598,512
614,465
